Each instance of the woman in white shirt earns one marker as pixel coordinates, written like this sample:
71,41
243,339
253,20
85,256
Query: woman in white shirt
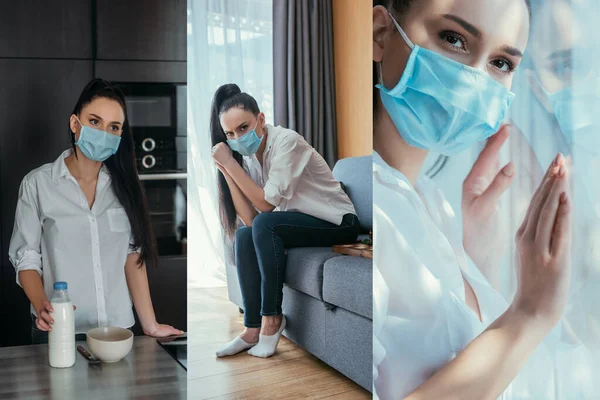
83,219
284,193
443,72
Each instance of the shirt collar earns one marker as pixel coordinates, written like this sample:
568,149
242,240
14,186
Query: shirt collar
388,173
60,170
271,133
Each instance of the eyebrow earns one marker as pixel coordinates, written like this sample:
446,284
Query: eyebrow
238,127
567,53
467,26
100,118
513,51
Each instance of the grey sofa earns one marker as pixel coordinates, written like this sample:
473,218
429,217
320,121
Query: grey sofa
328,297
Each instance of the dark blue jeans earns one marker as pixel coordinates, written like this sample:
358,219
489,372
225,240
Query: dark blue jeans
260,255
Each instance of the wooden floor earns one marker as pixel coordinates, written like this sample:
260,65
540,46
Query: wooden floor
291,373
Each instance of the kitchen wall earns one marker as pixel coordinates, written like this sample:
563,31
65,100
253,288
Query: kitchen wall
352,37
49,50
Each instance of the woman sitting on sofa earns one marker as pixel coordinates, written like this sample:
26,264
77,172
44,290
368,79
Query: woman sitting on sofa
284,193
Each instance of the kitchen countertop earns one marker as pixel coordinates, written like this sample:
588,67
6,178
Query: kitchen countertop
147,372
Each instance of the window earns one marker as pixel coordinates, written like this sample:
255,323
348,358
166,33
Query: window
229,41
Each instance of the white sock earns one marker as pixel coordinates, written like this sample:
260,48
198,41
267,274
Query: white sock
267,344
237,345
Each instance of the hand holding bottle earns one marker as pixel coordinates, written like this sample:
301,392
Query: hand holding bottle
44,320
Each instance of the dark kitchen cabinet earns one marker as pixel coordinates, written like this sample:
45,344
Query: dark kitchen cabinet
141,30
46,29
168,289
37,98
146,71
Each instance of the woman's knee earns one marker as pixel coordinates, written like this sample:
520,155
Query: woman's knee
264,220
243,238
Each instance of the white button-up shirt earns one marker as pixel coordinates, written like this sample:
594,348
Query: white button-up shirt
295,177
60,237
420,317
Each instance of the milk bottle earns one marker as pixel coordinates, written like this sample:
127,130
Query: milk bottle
61,339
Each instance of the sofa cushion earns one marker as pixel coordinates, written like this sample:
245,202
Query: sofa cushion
356,173
348,283
304,269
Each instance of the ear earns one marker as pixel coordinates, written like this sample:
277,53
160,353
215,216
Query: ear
75,125
262,120
381,21
538,91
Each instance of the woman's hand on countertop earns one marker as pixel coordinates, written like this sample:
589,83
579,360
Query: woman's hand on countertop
161,330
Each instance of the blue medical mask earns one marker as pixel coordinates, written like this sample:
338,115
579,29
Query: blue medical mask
248,144
576,109
97,144
442,105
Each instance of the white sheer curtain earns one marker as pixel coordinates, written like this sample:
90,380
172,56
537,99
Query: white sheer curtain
229,41
557,89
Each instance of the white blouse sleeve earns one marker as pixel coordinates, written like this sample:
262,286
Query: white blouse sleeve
132,248
290,156
380,300
24,250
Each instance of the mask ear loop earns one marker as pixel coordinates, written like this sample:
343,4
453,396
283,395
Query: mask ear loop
256,124
80,130
402,33
406,39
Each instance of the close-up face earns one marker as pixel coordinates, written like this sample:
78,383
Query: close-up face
554,37
101,113
236,122
563,40
490,35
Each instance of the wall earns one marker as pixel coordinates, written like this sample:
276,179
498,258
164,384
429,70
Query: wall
352,45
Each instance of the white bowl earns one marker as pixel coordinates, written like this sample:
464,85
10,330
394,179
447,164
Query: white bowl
109,344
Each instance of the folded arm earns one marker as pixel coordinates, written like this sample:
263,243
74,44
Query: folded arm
243,207
254,193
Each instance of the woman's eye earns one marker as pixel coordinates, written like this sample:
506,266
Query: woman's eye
454,40
503,65
563,68
94,121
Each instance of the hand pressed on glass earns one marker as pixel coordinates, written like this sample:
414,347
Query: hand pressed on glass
482,226
543,247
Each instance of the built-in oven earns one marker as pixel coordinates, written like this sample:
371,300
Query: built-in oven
157,116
